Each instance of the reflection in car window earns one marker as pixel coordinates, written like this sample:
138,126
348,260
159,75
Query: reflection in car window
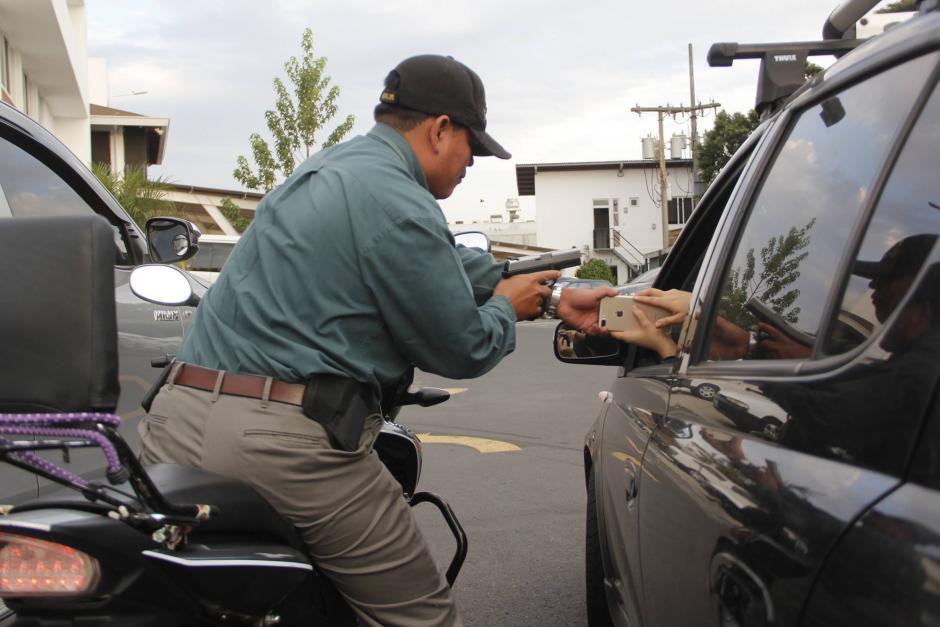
870,414
32,189
774,291
900,236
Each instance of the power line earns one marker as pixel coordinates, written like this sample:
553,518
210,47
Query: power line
661,112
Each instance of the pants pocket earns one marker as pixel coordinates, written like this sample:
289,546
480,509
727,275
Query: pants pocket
286,438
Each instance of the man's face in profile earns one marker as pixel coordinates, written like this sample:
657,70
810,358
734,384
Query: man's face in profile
888,292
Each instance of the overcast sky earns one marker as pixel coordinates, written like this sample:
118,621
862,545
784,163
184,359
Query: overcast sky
560,76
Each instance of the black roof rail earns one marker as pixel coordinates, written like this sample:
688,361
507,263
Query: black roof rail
782,64
843,18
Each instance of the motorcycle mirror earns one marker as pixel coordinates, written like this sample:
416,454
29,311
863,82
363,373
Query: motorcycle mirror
576,347
172,239
473,239
162,285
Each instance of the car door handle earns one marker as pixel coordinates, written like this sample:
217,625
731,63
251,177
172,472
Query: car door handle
742,596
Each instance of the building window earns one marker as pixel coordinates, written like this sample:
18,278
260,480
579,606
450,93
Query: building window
634,202
616,212
680,209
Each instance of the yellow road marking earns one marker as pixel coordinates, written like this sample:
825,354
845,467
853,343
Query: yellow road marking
456,390
143,384
481,444
133,378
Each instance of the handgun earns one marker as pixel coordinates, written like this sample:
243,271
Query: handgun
552,260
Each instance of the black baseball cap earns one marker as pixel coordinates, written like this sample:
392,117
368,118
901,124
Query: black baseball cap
904,258
439,85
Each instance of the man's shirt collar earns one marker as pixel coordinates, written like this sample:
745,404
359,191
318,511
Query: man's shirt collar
389,136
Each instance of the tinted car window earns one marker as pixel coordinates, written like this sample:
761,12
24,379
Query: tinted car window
780,275
899,238
870,414
32,189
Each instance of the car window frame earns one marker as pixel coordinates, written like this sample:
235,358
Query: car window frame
694,361
728,181
76,180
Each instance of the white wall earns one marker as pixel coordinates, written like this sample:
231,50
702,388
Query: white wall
565,207
521,232
48,43
564,202
98,92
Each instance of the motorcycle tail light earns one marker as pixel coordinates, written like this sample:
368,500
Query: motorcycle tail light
36,568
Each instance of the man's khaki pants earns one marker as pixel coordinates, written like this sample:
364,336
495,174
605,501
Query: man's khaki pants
346,505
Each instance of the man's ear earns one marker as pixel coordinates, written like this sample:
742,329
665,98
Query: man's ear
438,129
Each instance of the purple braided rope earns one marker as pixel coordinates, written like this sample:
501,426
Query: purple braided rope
57,419
50,425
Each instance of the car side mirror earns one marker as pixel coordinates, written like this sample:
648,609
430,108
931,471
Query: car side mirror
473,239
172,239
576,347
162,285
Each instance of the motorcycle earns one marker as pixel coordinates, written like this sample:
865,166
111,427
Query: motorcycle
160,545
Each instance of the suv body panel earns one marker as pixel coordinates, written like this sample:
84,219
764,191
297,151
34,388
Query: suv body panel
756,529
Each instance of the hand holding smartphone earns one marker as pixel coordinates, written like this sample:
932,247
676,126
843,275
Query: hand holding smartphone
616,313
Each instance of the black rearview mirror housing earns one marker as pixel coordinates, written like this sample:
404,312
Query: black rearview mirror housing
171,240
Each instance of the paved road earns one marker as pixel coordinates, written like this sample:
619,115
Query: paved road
523,510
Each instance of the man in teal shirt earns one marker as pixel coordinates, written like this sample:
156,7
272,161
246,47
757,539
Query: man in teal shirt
346,280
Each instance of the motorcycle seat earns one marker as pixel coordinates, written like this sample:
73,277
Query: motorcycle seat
241,510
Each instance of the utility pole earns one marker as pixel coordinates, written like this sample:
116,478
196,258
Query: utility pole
673,111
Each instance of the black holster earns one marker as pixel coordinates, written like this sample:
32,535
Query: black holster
341,406
147,400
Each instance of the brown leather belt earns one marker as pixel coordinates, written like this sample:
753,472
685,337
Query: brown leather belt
247,385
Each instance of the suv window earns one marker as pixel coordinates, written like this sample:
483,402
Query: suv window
31,188
776,287
870,413
900,236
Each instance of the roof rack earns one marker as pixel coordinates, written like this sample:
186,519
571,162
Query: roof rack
783,64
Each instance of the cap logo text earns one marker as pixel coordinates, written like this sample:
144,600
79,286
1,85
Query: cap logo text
388,97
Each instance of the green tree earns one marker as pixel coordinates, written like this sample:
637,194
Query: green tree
142,197
295,121
780,261
899,7
810,70
233,214
719,143
595,268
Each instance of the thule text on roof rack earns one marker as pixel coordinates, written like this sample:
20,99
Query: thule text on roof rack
782,64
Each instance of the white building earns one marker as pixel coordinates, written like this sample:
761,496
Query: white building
518,232
45,72
44,66
609,209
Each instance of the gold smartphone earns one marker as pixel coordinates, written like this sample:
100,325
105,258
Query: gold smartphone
617,313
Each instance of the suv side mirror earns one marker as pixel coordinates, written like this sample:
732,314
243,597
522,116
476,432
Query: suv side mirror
162,285
576,347
172,239
473,239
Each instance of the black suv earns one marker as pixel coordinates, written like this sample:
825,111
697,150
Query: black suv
39,176
784,468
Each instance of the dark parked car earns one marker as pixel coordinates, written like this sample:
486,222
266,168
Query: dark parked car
784,468
40,177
